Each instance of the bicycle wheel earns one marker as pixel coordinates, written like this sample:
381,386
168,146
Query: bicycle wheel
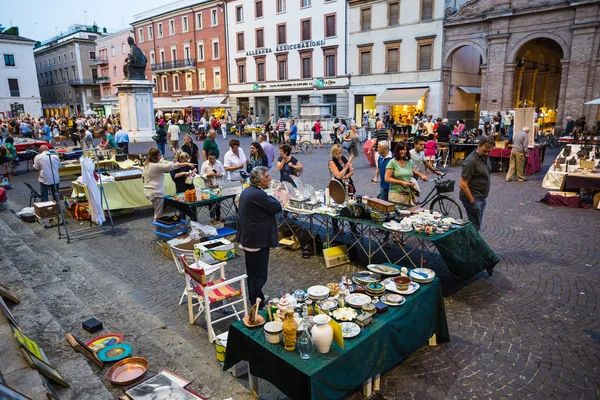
306,147
447,207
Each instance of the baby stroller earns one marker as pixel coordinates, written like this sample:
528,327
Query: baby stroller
334,138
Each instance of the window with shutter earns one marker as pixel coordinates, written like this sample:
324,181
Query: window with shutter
306,34
393,58
260,70
306,67
282,65
241,73
426,9
330,26
260,42
393,14
425,52
258,9
365,19
240,41
281,37
365,62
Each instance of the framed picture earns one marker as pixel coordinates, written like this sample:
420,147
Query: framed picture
45,369
7,314
160,387
51,393
81,347
30,345
11,394
8,293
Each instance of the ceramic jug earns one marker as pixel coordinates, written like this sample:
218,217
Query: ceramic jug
322,333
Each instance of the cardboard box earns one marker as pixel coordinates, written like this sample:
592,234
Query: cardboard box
215,251
586,163
238,369
45,209
335,256
290,243
49,222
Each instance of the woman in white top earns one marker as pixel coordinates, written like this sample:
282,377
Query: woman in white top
212,171
154,180
235,160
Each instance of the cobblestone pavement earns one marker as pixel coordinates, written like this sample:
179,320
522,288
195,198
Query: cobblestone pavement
531,330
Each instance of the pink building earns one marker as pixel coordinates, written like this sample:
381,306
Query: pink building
111,52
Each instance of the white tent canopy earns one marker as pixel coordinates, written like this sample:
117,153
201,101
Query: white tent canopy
89,112
597,101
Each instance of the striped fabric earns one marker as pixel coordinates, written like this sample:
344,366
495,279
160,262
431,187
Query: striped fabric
214,295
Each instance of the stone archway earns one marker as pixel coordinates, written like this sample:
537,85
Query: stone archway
462,82
537,76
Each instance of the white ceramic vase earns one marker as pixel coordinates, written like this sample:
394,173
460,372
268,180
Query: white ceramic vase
322,333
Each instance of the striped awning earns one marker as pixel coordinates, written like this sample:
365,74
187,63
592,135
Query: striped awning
401,97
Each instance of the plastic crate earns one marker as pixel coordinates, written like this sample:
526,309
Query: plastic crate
223,232
163,237
169,229
445,186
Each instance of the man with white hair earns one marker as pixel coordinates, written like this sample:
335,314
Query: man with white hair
570,126
518,155
48,165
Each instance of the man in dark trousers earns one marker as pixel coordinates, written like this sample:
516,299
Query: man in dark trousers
257,230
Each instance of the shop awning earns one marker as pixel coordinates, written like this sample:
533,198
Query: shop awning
401,97
167,103
470,89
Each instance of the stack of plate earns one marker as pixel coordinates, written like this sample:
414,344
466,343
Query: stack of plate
317,293
328,305
375,289
422,275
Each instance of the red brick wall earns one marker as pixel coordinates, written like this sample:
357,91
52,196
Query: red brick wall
191,37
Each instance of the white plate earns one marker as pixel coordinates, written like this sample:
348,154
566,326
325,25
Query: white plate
391,286
357,299
318,291
344,314
384,301
420,278
395,227
383,269
349,330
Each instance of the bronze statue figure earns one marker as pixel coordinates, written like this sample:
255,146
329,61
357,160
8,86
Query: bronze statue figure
135,63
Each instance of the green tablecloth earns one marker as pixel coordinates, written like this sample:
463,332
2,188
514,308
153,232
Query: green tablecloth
190,208
390,339
463,249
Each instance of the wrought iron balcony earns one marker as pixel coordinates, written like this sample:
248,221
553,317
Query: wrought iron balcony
103,79
101,60
83,82
173,65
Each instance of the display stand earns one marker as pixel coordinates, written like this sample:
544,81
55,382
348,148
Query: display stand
91,230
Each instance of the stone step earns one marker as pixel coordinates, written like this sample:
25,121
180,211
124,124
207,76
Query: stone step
93,294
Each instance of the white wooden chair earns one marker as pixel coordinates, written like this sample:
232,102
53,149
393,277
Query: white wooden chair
208,270
209,293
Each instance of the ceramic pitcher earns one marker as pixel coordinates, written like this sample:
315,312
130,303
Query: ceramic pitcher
322,333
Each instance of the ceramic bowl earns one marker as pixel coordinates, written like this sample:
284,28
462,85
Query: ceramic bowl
402,282
273,332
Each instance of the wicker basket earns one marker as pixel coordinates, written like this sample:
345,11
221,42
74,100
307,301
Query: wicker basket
445,186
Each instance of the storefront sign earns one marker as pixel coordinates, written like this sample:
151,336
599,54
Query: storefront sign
284,47
321,83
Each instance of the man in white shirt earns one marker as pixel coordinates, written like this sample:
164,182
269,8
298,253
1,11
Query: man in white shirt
417,155
48,165
174,136
212,173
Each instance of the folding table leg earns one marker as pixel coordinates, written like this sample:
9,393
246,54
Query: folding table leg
253,380
377,382
368,387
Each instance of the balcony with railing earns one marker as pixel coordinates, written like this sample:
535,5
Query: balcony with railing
103,79
101,60
167,66
84,82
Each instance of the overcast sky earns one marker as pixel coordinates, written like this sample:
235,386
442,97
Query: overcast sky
42,19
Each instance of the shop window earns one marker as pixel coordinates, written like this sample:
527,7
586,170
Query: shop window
280,6
331,99
282,67
258,9
260,69
281,34
330,25
260,38
365,19
392,57
239,14
393,14
13,86
9,60
426,10
305,27
240,41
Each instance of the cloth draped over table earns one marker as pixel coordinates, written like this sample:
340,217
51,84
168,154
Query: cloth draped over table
94,196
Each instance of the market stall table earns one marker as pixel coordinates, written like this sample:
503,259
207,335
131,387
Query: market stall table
196,208
380,346
22,144
502,156
74,168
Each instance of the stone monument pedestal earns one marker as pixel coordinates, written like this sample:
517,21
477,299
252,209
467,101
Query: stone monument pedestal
136,109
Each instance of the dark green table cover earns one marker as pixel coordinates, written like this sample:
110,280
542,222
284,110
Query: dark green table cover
189,208
463,249
390,339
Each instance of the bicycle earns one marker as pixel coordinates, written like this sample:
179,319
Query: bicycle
304,146
440,202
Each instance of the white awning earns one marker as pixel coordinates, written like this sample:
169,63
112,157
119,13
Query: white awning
401,97
597,101
470,89
167,103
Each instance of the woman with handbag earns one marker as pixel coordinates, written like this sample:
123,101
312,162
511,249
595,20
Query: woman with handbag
317,137
350,141
288,165
399,174
340,169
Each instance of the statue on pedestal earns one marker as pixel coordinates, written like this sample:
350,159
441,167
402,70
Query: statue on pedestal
135,63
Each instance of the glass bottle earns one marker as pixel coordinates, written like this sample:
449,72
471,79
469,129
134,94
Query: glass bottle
304,340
